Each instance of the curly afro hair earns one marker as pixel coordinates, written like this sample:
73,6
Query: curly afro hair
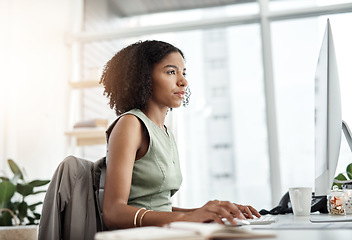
127,76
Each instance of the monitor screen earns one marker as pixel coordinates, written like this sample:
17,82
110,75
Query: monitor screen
328,122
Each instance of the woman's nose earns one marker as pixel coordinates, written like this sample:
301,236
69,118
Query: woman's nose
182,82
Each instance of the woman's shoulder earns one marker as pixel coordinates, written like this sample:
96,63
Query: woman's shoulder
125,122
129,117
128,120
136,112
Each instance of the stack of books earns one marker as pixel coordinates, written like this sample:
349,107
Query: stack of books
92,123
89,132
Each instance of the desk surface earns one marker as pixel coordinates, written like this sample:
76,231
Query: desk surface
290,227
287,227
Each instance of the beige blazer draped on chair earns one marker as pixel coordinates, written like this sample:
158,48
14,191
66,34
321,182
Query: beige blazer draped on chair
69,210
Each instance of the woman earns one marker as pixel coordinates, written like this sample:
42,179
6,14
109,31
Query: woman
143,81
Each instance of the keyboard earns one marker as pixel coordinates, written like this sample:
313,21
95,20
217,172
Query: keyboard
255,221
262,220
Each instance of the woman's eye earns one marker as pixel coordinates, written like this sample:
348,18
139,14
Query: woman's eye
184,75
171,72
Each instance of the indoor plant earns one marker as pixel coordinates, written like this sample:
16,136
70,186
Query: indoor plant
15,210
344,178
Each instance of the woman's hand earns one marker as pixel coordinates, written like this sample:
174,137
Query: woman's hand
248,211
215,211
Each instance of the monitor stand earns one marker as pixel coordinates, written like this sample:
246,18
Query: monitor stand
348,136
347,133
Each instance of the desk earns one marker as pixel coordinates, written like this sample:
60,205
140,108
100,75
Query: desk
287,227
290,227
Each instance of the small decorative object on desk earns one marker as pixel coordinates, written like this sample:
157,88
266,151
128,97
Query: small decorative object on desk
336,202
348,200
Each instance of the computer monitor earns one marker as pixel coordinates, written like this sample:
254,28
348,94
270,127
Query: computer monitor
328,120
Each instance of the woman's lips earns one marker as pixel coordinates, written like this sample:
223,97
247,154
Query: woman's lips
180,94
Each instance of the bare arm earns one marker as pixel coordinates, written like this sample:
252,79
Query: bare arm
247,211
124,141
176,209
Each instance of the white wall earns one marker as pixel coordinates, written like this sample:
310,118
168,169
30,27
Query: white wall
34,73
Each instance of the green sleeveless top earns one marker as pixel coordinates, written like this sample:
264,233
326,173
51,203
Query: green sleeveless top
156,176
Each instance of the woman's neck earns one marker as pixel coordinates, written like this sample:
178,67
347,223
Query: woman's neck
157,115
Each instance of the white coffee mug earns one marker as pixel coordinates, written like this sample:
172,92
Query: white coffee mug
301,200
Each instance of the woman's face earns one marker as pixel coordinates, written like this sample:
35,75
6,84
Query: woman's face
169,82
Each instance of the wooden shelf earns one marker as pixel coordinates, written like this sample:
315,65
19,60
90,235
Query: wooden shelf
88,136
85,84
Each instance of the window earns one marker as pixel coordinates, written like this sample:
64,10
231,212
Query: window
222,135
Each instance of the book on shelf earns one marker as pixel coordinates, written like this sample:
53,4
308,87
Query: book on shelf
88,135
91,123
185,230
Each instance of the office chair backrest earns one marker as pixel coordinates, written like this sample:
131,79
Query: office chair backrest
98,184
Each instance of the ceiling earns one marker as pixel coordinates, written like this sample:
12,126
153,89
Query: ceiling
127,8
